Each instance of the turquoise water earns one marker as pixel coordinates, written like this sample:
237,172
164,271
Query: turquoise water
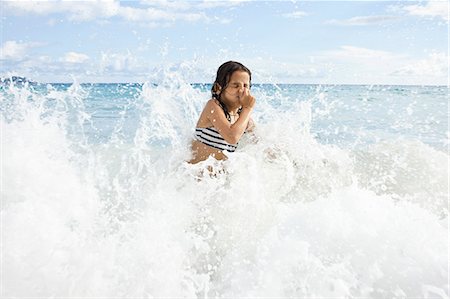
345,115
341,192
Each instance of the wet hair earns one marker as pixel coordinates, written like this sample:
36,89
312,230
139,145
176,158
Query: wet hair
223,78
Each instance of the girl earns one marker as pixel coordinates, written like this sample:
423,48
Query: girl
226,116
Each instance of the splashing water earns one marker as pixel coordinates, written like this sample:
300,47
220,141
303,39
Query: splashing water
341,192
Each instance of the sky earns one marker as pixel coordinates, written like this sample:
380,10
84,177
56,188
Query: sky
306,42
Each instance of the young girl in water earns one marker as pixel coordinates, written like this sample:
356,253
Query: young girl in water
226,116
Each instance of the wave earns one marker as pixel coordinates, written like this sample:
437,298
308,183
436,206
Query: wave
284,216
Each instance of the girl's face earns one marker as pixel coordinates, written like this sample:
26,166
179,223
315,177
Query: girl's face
239,82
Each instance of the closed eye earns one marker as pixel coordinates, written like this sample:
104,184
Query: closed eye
236,85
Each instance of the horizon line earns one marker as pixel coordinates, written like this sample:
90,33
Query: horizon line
253,84
2,79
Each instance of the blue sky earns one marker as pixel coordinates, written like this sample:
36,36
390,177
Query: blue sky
324,42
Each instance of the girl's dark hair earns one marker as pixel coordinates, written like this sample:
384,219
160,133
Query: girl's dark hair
223,78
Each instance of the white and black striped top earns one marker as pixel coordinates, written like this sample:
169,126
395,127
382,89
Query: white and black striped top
211,137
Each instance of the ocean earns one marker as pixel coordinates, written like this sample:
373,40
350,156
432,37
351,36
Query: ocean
342,191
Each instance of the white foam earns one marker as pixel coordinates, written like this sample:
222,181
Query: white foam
286,216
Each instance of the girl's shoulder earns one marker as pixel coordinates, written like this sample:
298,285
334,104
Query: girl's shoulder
213,102
213,105
210,106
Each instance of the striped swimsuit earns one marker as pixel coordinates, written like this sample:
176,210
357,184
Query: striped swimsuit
210,136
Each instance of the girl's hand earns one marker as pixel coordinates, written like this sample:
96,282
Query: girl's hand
246,99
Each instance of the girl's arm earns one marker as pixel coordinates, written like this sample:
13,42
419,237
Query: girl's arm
230,132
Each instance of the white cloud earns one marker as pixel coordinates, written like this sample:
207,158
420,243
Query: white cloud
76,10
350,64
73,57
352,52
191,5
118,62
212,4
149,12
432,9
347,64
435,65
13,50
300,72
135,14
295,14
363,20
165,4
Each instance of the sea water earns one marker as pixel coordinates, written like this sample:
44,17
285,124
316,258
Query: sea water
341,191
